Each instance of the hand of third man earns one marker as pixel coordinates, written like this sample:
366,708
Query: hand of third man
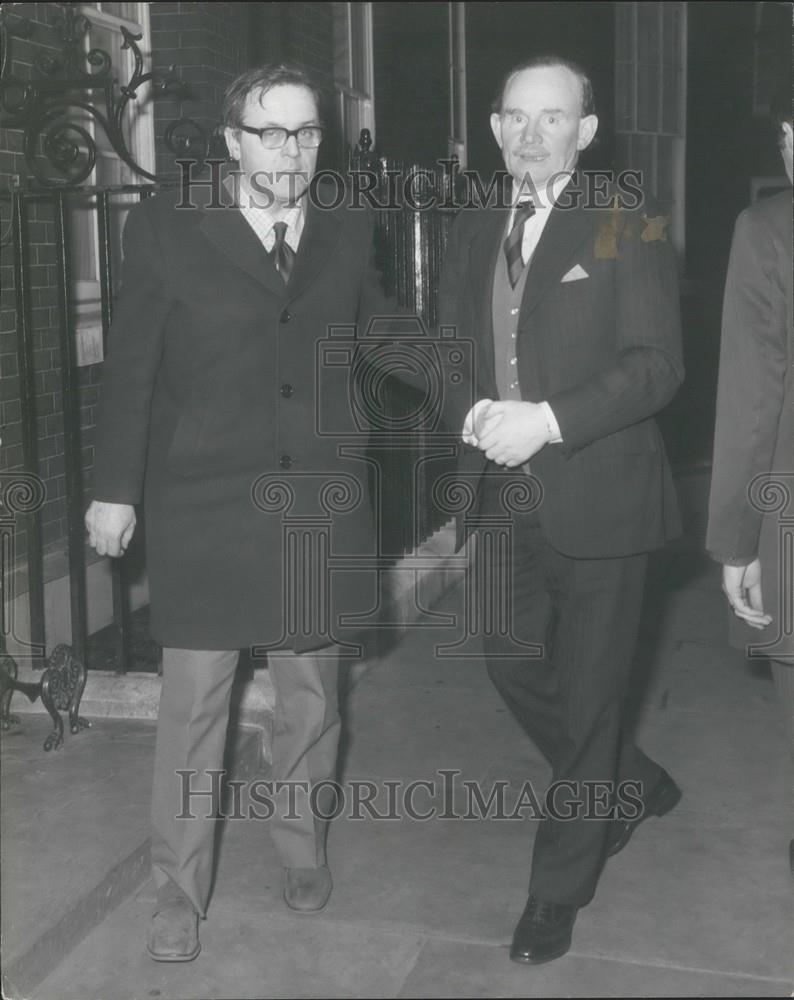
742,587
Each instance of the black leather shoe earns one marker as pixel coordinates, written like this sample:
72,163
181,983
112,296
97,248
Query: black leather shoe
543,932
664,795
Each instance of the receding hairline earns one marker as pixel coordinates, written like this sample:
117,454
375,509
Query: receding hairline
551,61
530,69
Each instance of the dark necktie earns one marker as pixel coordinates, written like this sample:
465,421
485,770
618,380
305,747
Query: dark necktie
515,262
283,254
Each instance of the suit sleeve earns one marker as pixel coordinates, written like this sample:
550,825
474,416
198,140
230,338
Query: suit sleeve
750,390
129,371
647,368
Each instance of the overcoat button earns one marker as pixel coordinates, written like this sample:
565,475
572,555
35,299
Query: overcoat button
285,461
286,390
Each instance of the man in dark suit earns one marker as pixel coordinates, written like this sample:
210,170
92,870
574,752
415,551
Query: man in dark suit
211,415
754,440
574,314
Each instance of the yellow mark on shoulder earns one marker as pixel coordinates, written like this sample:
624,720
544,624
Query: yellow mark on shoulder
655,228
606,245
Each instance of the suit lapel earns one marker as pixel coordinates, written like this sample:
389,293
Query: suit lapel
231,234
320,234
563,234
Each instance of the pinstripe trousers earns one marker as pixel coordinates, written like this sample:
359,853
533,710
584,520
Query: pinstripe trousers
571,701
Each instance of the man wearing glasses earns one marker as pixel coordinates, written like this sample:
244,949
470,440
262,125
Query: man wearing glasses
208,416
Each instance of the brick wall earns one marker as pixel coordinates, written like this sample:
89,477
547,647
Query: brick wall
210,44
310,38
43,41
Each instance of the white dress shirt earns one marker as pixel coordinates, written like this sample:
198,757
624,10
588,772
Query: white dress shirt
543,200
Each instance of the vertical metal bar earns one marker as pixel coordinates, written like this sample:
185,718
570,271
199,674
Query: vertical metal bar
105,264
121,621
27,397
461,128
71,441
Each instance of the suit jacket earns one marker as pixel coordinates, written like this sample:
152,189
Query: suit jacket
603,350
214,379
755,413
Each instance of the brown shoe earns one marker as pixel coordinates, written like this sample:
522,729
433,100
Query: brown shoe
173,930
307,889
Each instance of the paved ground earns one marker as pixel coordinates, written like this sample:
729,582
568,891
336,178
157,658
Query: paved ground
701,903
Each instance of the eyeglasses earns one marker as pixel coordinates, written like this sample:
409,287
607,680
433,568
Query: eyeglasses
308,137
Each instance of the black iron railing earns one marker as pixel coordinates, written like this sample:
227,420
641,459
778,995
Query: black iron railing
56,204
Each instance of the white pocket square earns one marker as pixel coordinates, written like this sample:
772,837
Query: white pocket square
576,273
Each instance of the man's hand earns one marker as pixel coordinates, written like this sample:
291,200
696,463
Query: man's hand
742,586
110,527
513,432
475,422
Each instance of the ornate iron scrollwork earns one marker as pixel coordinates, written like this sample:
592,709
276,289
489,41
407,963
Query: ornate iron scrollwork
56,108
63,680
61,688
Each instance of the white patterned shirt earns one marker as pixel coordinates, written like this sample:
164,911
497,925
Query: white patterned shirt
262,219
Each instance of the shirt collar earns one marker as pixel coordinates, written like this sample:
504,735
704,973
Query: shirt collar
255,203
544,198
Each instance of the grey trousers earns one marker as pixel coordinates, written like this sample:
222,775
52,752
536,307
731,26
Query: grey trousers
783,674
191,736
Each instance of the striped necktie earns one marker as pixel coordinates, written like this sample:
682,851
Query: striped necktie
515,262
283,254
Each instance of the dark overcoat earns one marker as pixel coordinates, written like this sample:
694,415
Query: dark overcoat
751,509
220,413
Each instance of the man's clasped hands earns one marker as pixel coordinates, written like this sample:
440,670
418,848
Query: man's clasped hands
510,432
